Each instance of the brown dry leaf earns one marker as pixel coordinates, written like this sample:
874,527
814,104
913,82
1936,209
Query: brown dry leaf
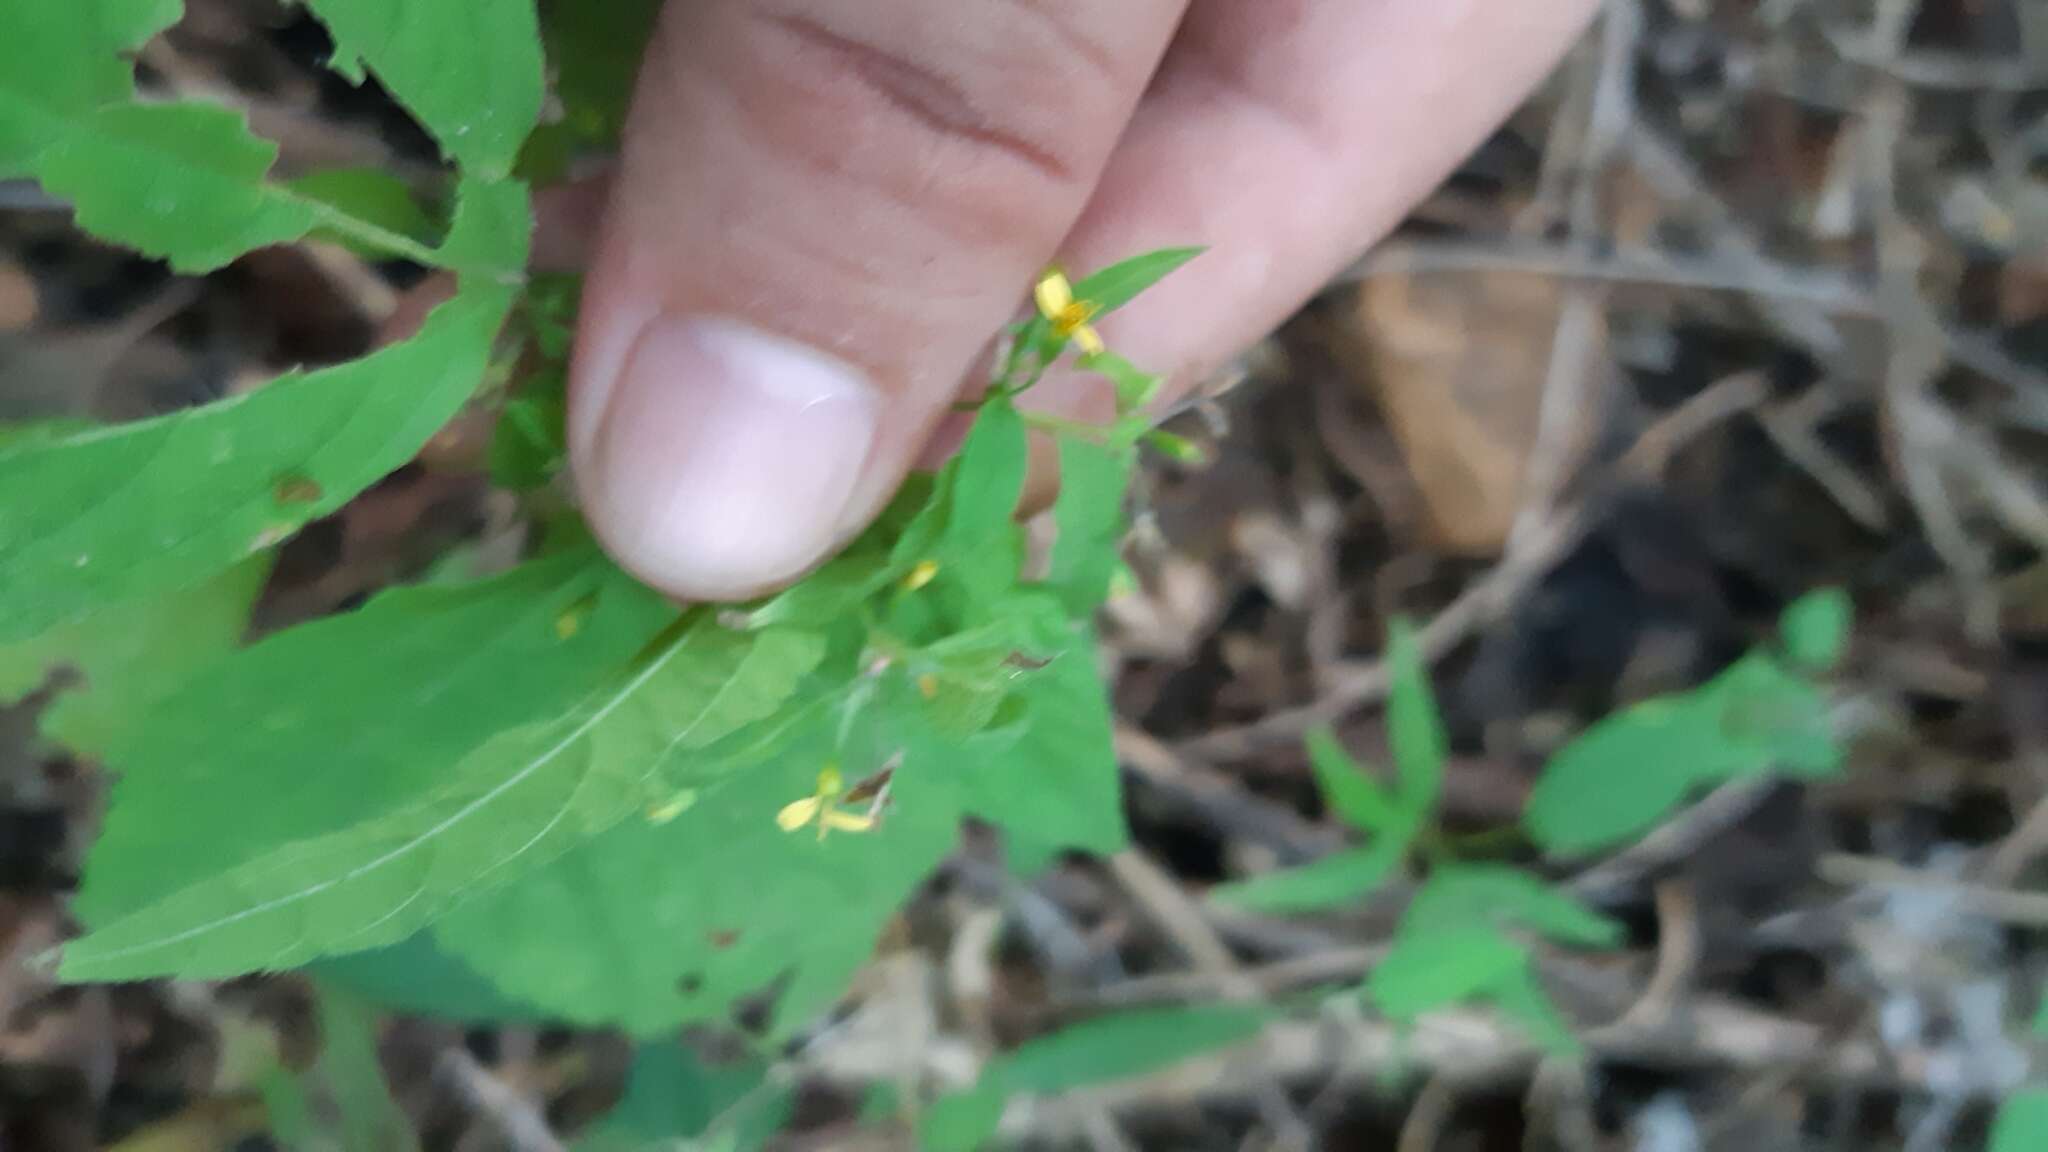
1457,362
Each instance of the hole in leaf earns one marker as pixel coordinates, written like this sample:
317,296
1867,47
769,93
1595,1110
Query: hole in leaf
297,488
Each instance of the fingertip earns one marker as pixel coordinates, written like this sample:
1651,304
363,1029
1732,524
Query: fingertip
725,459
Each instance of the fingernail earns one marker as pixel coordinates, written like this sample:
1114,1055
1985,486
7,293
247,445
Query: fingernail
726,457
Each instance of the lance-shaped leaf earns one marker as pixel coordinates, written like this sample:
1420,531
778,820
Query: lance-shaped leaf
324,725
1089,517
519,801
717,902
470,71
129,656
61,61
108,514
1055,786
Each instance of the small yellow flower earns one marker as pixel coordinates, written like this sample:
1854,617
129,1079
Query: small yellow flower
822,808
1069,317
928,686
921,575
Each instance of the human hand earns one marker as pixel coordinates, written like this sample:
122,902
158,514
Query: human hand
824,209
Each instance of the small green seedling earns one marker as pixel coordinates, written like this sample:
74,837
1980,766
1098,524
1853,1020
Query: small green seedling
1390,816
1466,935
1762,716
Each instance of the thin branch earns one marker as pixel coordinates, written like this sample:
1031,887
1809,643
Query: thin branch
1355,686
514,1117
2006,905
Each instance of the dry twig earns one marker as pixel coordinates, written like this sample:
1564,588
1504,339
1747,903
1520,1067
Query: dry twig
1357,685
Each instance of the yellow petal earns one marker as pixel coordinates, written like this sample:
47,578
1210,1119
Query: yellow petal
1089,339
1055,294
843,821
796,815
830,783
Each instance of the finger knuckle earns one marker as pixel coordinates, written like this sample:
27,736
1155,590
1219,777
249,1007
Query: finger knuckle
991,134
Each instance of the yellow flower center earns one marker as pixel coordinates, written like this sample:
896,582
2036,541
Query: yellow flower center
1068,316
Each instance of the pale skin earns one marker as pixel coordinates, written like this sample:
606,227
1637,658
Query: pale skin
824,209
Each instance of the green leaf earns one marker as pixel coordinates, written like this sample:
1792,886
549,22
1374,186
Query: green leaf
1623,775
132,510
1120,283
2022,1125
595,48
1334,881
342,1102
960,1121
1453,945
208,201
966,678
335,722
67,117
713,903
718,903
1815,630
979,549
529,445
1122,1046
1414,728
1391,821
1089,517
371,1120
129,655
1134,387
287,1107
1521,998
894,544
673,1097
32,432
1035,343
417,978
1176,448
1056,786
1426,973
59,61
471,72
373,196
552,301
1350,790
519,801
1778,719
204,201
491,235
1460,896
1627,772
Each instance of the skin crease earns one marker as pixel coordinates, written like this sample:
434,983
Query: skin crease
881,182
